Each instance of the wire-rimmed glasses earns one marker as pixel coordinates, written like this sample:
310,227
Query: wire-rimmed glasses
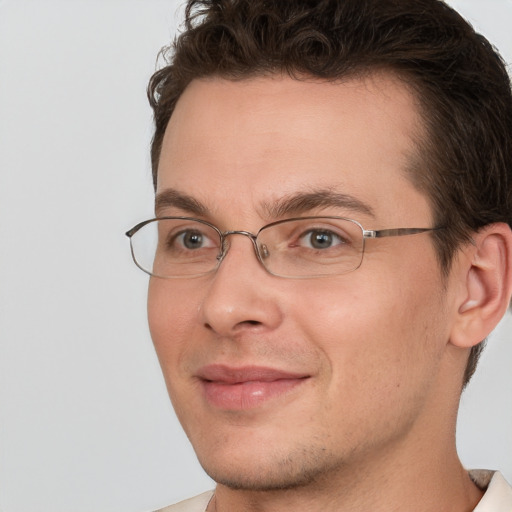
304,247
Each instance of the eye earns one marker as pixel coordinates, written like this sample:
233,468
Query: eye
320,239
192,239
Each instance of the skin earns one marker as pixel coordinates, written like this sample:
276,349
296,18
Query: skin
372,426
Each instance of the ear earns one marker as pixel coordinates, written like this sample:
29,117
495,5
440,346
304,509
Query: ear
485,272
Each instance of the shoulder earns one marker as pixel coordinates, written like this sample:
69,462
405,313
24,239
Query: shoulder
195,504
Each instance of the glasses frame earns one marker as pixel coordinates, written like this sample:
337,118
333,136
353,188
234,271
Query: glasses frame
366,233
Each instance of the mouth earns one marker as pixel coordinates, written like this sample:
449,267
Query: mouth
243,388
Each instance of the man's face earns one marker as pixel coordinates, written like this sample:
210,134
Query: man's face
279,381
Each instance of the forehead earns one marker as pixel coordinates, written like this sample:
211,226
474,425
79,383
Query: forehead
234,145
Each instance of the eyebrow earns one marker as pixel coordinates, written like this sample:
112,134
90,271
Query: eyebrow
301,202
295,204
171,198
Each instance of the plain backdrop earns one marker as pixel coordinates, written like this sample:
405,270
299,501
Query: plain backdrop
85,423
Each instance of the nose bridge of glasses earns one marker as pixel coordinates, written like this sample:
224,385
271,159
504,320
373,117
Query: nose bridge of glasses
248,234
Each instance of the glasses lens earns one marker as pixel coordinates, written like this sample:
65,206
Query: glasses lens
176,248
311,247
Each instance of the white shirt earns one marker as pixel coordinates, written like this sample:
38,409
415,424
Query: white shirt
497,497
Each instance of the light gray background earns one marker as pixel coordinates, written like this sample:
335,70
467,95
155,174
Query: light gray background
85,423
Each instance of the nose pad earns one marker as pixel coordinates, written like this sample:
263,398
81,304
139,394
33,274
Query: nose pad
263,249
223,250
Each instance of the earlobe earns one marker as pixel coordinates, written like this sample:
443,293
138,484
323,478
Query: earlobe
487,285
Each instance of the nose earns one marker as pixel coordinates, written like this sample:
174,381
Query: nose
241,295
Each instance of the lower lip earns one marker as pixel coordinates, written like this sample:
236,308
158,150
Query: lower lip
246,395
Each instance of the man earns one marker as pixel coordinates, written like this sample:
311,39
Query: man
332,246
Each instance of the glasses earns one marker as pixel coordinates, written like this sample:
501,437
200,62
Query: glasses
305,247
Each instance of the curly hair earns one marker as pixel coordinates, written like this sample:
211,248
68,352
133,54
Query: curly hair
458,78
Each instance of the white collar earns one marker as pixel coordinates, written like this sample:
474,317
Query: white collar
498,494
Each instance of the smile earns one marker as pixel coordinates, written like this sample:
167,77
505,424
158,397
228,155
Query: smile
245,388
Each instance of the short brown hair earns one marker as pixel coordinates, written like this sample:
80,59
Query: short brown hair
458,78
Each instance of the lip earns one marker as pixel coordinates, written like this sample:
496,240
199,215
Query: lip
242,388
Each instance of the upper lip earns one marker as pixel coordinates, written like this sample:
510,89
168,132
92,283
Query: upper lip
234,375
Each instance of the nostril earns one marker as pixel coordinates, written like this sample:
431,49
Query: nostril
247,323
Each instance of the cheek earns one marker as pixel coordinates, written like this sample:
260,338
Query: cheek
171,314
376,337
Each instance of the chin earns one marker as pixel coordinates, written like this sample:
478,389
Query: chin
276,474
263,482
